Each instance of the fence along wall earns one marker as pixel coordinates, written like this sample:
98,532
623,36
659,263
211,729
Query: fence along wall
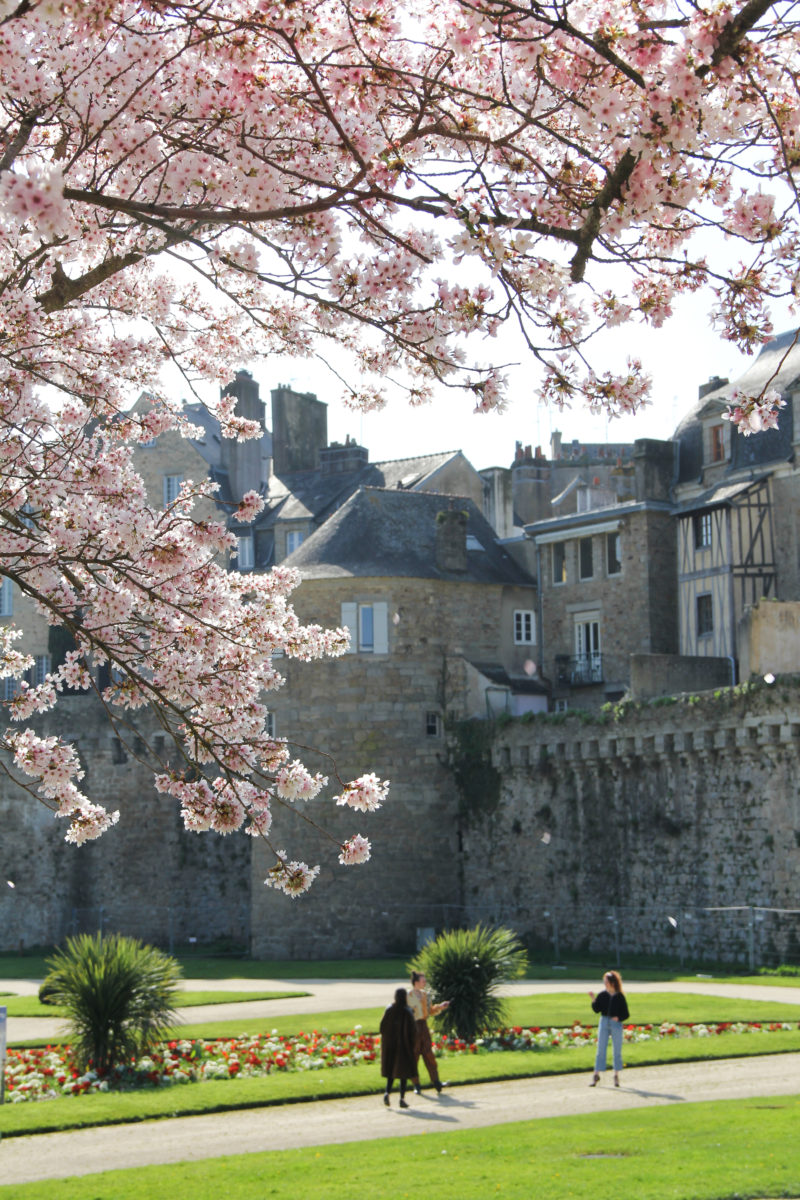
602,832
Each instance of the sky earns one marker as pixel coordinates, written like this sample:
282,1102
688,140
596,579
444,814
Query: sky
679,357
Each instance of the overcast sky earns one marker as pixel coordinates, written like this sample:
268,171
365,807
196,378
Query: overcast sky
679,357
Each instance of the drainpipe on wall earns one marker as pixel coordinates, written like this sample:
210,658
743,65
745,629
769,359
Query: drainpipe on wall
539,610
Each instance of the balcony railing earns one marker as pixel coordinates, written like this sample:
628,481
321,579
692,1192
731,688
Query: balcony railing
579,670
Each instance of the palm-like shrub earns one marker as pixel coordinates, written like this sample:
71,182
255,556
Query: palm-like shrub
119,995
465,966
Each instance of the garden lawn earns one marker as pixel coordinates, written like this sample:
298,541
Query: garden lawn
563,1008
29,1006
73,1112
710,1151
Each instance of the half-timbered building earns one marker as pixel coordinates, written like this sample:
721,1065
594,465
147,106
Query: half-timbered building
736,505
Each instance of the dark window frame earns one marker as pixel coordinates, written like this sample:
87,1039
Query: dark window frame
585,556
704,614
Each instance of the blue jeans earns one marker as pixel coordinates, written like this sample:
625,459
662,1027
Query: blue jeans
606,1027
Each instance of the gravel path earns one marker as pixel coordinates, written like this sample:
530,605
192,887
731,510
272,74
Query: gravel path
85,1152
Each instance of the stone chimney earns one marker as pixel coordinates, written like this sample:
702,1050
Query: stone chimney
299,429
716,381
654,468
338,459
247,463
451,540
555,445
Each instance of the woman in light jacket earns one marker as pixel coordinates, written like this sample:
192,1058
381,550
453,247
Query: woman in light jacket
613,1009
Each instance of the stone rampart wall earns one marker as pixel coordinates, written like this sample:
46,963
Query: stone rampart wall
603,832
146,877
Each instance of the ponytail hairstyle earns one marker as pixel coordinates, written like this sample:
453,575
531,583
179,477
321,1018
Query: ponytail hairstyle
415,975
615,979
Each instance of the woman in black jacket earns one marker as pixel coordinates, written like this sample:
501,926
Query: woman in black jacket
613,1009
398,1030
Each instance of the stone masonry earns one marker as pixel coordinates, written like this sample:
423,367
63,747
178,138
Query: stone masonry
147,876
670,810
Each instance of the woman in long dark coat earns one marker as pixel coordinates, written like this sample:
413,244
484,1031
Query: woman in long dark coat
397,1045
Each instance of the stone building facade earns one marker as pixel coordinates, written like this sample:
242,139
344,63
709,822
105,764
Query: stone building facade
607,583
433,605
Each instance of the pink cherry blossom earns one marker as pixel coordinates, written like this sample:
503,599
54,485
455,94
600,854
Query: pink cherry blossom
208,183
355,850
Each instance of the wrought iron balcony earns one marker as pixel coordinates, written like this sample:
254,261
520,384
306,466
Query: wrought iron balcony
579,670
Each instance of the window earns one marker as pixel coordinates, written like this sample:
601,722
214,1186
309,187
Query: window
269,727
717,443
585,555
702,530
172,486
613,563
433,724
245,560
42,669
705,615
11,688
294,539
559,552
588,661
6,598
524,627
368,626
560,706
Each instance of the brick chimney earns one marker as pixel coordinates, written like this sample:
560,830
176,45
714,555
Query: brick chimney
451,540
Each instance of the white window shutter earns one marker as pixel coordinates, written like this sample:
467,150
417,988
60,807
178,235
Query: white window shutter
350,621
380,617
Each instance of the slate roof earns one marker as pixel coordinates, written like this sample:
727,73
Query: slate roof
380,532
779,358
497,674
304,495
719,496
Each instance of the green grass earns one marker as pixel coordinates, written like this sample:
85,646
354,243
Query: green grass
364,1079
712,1151
200,966
29,1006
558,1009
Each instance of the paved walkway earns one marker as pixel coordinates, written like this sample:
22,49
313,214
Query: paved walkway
186,1139
330,995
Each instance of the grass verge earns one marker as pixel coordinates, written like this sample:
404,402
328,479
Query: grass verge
711,1151
198,966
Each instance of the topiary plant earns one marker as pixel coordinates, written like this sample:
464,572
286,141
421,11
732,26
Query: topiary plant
119,995
465,967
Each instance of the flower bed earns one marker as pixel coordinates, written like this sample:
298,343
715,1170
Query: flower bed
44,1074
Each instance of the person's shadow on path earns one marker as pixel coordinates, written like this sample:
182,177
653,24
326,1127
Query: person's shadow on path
632,1091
